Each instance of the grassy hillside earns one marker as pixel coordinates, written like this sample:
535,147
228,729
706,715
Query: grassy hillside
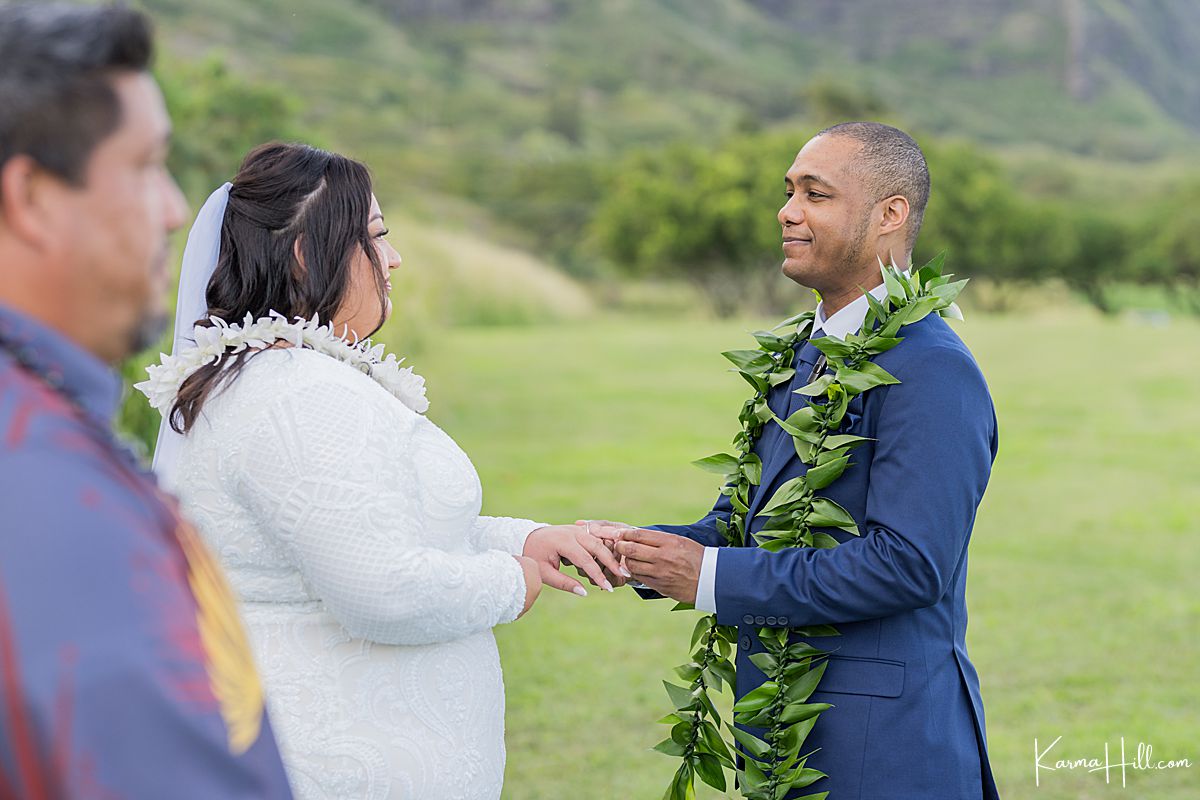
512,118
422,88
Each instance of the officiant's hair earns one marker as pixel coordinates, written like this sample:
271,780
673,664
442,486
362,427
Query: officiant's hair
284,194
57,64
891,163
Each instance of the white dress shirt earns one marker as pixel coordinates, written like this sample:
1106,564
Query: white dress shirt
845,321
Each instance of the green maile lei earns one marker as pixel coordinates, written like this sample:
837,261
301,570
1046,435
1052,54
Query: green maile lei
775,764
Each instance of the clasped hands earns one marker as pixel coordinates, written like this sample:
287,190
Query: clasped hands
665,562
610,554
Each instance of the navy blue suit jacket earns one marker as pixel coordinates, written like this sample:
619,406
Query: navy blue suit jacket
908,720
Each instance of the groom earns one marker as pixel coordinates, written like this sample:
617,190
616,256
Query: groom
907,722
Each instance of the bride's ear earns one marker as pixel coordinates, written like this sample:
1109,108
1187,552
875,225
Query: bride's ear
299,267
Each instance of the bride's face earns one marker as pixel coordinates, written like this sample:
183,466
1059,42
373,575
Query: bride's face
360,311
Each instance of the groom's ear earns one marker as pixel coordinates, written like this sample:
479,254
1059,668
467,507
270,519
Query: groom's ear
27,197
895,214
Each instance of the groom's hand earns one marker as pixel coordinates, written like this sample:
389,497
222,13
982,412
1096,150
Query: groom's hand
667,563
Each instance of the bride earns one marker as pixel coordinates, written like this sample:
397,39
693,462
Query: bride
347,522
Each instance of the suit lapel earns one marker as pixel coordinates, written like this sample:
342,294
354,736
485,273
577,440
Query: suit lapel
778,450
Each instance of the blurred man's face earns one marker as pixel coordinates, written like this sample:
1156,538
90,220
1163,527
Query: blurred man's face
115,227
826,219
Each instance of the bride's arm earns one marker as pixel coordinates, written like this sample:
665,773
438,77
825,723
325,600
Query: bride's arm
503,533
328,468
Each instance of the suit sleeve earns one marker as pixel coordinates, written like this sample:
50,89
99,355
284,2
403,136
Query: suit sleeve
703,530
936,433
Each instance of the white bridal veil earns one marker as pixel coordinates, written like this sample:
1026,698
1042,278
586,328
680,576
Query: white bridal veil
199,262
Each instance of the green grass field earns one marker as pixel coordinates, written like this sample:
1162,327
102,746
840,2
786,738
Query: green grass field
1084,610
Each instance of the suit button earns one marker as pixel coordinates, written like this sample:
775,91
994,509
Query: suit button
760,620
772,621
748,619
783,622
745,642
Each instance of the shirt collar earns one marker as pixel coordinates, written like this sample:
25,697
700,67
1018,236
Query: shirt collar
848,319
84,378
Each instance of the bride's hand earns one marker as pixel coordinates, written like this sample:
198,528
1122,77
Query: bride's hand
609,532
604,529
552,545
533,582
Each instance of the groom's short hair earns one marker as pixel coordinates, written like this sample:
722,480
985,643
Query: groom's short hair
57,62
891,163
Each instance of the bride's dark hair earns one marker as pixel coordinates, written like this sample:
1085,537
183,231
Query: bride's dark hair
282,194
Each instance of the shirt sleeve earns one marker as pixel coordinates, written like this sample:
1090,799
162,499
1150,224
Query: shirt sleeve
165,747
345,503
105,674
706,586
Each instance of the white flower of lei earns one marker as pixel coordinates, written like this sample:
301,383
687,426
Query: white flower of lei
212,341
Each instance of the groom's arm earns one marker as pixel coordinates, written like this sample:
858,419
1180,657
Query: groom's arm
937,438
705,532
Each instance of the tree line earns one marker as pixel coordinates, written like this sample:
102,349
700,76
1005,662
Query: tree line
706,214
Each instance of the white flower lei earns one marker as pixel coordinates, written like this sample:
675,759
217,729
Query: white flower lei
212,341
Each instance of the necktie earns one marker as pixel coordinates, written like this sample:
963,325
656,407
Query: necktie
809,364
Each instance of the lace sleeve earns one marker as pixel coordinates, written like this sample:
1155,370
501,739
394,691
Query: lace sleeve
328,466
503,533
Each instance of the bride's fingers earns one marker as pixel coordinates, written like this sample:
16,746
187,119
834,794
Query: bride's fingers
601,552
564,583
615,580
602,528
583,575
582,559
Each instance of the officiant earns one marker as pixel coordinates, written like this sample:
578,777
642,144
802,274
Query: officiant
124,671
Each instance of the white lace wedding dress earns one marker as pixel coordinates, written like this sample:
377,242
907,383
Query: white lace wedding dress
349,526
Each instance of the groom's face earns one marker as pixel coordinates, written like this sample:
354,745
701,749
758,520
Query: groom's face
826,219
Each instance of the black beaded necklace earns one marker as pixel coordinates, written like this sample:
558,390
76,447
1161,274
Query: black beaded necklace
25,357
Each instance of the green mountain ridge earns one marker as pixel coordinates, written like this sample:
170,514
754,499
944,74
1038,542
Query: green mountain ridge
540,78
507,117
1118,61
